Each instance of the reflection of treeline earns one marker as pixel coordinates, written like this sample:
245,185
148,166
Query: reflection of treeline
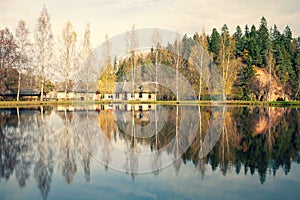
251,140
241,148
31,145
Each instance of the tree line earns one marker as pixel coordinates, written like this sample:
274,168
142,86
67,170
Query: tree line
35,60
37,64
237,56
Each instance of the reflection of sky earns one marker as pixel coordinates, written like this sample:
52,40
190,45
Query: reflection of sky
187,185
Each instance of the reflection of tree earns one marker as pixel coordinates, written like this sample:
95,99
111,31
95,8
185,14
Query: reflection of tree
84,123
7,149
86,155
195,152
156,162
228,142
44,165
201,156
132,150
272,149
240,145
177,144
23,164
106,121
68,151
8,156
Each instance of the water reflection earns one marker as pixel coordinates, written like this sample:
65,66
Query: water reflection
41,141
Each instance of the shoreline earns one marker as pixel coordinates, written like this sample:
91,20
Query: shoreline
196,103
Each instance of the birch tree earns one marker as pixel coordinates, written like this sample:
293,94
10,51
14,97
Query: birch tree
157,41
43,41
22,38
228,64
87,72
132,45
108,77
178,52
68,55
197,57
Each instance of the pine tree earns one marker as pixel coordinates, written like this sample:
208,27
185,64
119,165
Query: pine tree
297,71
238,35
254,49
263,40
214,43
247,33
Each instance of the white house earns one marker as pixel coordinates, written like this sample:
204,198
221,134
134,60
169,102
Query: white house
127,91
61,94
85,91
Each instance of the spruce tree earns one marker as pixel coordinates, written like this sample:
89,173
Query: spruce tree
214,43
238,35
263,40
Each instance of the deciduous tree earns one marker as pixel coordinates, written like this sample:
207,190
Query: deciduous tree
22,37
44,44
9,58
107,78
68,55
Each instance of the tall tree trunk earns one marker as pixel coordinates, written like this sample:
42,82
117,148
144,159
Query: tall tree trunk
66,90
43,80
19,87
177,73
156,63
42,90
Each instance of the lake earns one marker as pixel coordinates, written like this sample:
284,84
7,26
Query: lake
120,151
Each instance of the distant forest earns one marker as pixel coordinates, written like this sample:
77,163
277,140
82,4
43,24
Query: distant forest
239,56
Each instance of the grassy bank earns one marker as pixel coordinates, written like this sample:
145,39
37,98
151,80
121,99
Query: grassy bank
232,103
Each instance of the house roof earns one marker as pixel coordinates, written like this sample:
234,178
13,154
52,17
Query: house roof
120,87
126,87
82,87
60,87
23,92
79,87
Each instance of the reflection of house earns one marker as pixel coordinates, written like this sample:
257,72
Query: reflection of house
127,107
128,91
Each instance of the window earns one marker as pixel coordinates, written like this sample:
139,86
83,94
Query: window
149,96
140,95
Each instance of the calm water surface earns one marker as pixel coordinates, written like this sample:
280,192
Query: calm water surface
149,152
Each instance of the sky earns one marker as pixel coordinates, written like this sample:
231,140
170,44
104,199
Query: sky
113,17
